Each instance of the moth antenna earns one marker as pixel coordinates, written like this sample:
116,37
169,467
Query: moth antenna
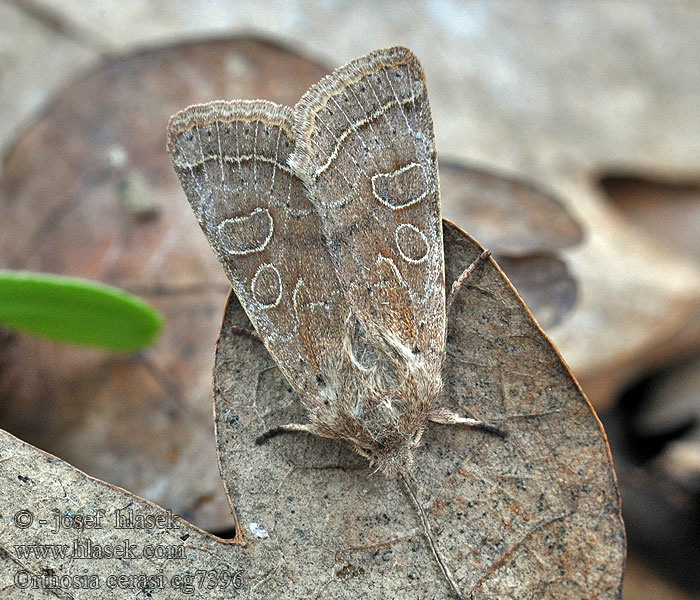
446,573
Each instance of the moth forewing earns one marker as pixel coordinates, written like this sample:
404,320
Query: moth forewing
231,158
365,151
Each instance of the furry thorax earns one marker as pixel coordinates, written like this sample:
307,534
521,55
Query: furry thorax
376,395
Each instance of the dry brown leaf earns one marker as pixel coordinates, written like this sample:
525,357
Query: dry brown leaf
523,226
40,559
534,516
545,284
667,208
508,215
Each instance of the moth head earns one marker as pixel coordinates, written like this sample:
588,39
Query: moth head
396,458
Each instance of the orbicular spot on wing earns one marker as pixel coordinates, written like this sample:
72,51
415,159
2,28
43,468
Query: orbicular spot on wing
411,243
247,234
266,286
402,187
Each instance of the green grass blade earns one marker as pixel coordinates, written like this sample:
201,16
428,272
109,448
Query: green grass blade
76,311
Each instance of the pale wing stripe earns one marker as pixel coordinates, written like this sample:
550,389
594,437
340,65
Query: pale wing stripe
373,117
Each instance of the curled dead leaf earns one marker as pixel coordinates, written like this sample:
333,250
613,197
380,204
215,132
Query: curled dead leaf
524,227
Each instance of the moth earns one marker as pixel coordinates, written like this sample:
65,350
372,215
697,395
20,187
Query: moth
326,218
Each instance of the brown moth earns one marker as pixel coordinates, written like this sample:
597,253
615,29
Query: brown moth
327,220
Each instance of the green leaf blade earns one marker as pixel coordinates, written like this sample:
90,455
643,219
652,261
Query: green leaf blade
76,311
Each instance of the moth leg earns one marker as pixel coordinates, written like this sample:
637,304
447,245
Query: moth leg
248,332
275,431
444,416
464,276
